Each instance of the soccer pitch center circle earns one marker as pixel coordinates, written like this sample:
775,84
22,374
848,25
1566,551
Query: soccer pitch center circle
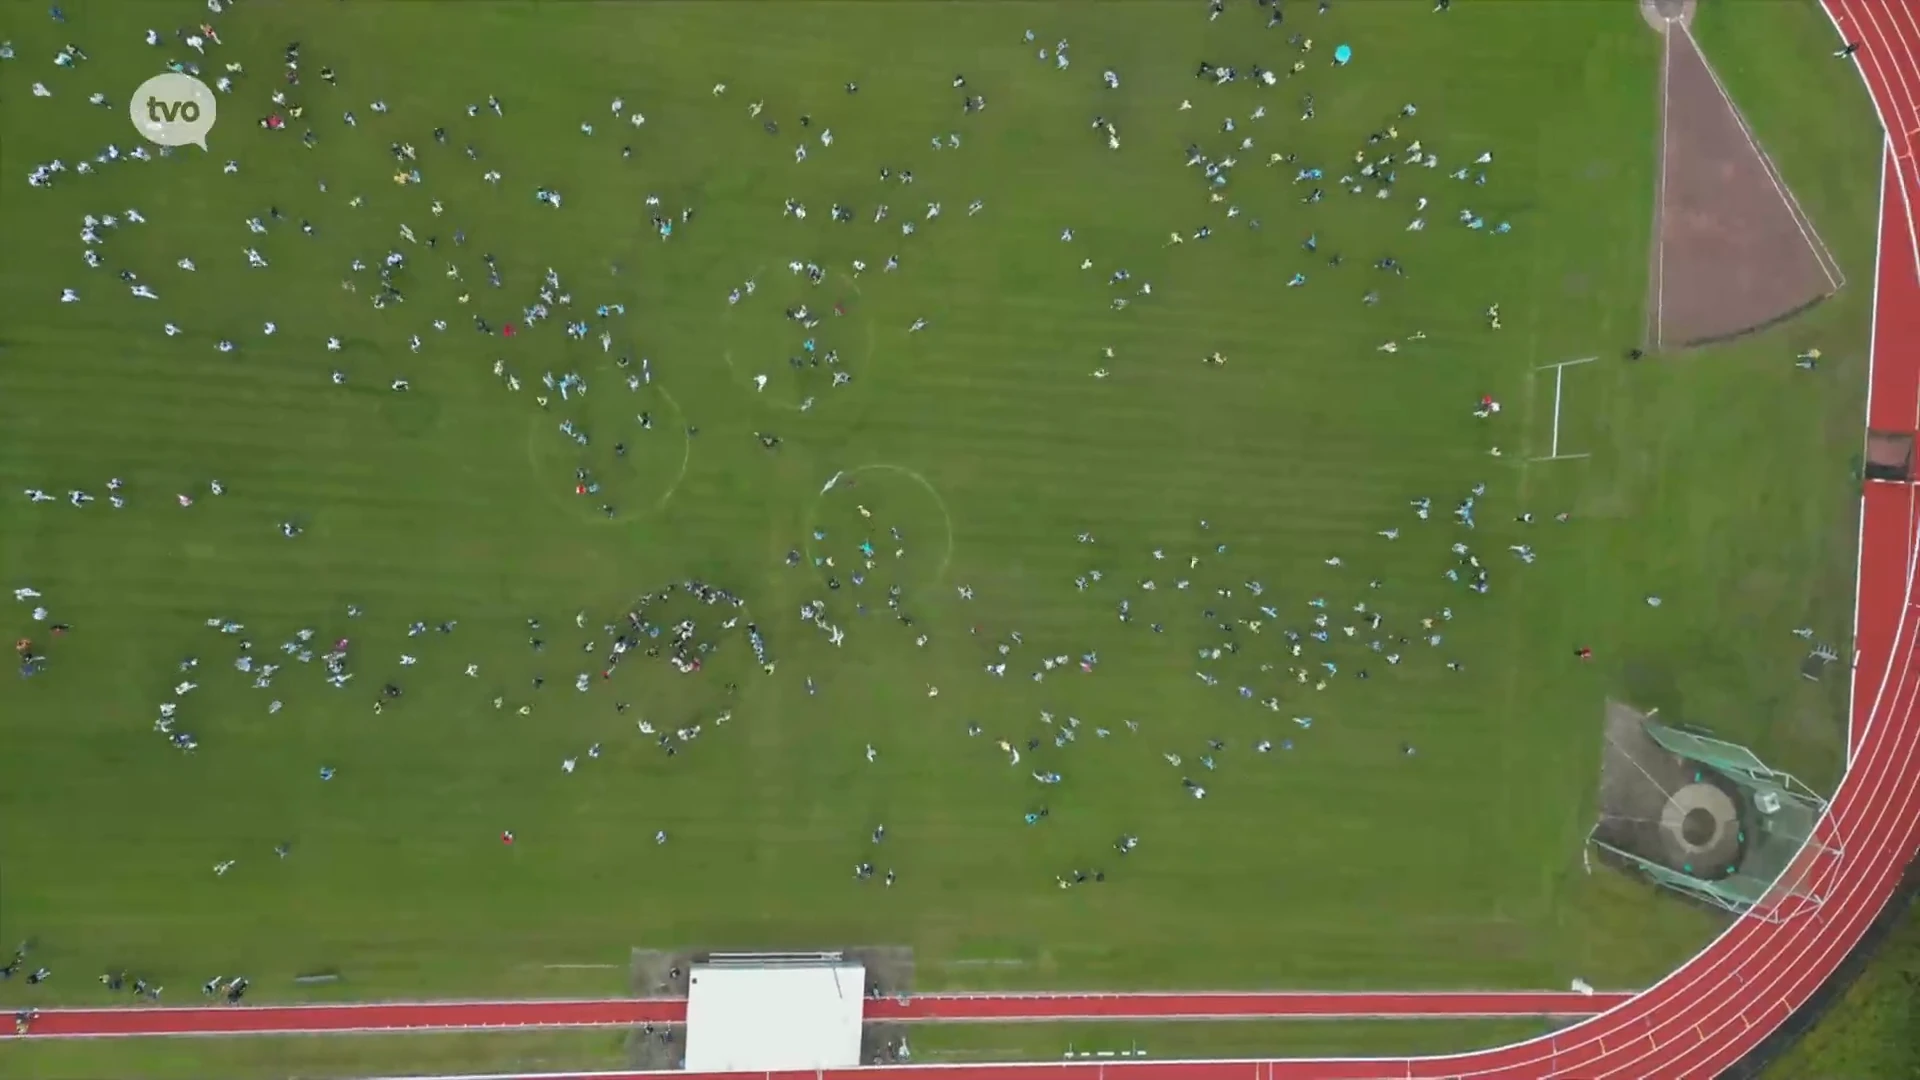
640,481
802,373
855,520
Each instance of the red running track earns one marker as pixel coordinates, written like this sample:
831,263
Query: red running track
1697,1021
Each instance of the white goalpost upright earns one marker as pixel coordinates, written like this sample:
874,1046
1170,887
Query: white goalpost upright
1559,388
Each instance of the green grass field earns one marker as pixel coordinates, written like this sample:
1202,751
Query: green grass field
1718,480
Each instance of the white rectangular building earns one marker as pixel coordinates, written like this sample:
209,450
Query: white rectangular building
780,1016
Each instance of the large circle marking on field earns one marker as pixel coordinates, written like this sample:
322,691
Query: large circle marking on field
939,502
686,450
535,463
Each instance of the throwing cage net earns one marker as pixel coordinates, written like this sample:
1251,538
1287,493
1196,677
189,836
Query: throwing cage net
1709,819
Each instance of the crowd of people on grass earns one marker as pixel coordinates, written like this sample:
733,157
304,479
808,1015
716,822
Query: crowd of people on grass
1258,648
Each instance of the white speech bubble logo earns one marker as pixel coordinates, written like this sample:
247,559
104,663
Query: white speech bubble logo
174,110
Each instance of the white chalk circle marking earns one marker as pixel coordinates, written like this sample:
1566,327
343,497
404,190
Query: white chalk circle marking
946,516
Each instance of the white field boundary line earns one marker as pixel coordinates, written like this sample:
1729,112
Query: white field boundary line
1873,339
1829,266
1660,197
1002,961
943,995
1853,669
1025,1021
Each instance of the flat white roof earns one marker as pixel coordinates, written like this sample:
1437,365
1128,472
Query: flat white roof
770,1019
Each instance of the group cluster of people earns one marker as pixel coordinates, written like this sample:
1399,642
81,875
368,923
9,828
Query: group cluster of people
387,275
1271,652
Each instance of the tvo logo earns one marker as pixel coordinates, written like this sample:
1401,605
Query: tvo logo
174,109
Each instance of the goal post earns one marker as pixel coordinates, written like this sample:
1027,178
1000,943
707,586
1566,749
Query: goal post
1555,451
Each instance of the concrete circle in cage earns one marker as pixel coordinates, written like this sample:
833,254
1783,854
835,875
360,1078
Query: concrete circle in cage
1701,826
